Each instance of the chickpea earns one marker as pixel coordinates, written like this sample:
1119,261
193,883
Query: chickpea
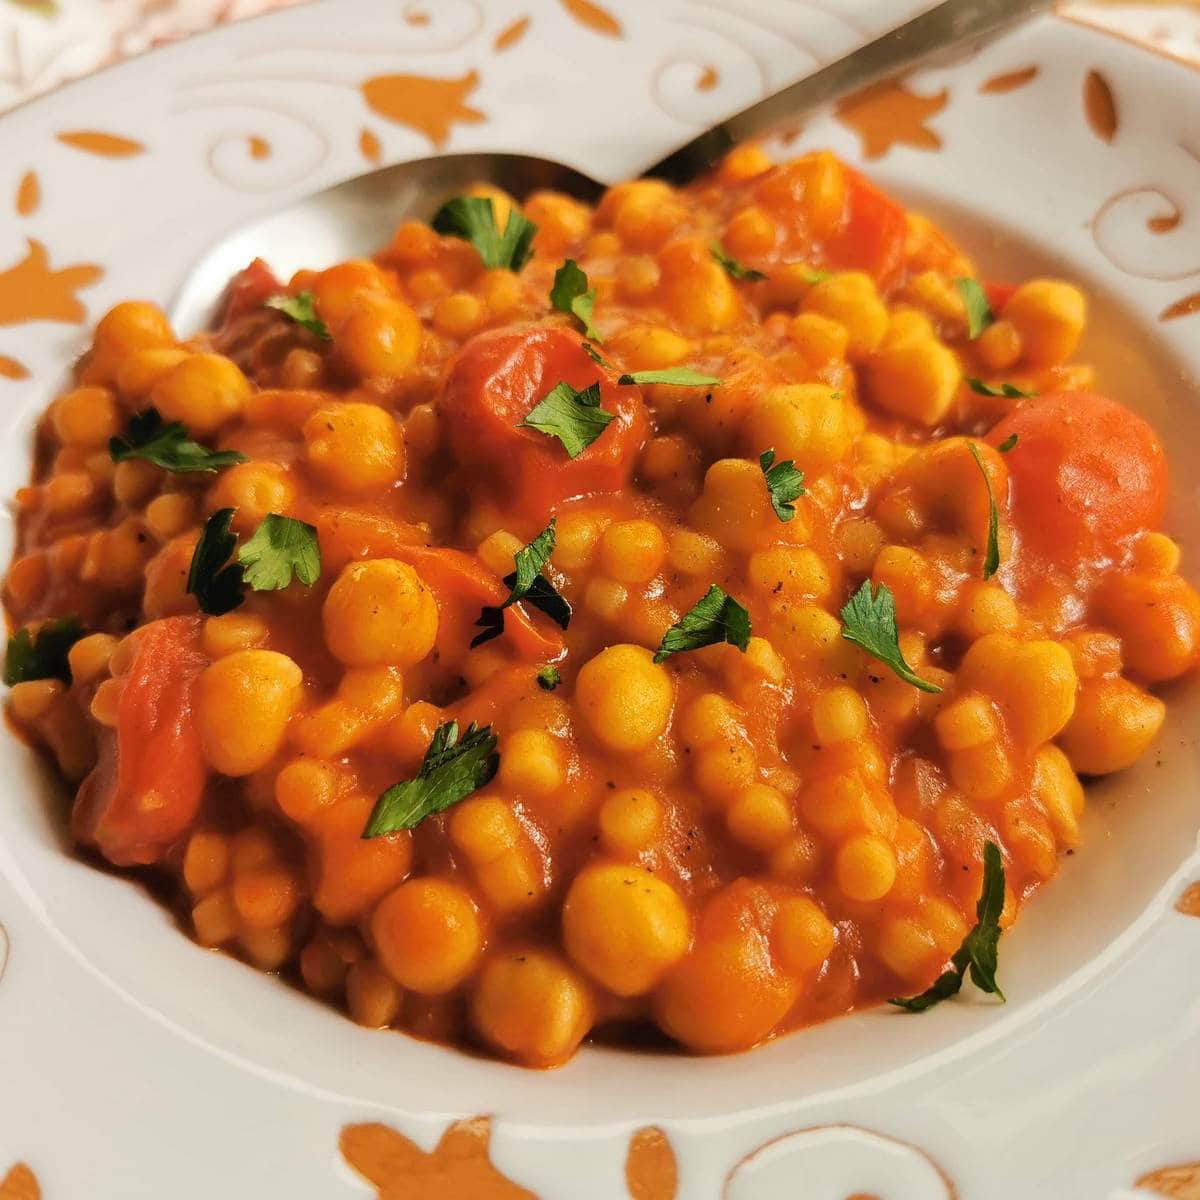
865,868
632,551
87,416
695,288
917,380
133,325
1158,617
245,702
630,821
355,447
624,927
1049,317
254,489
1112,727
624,697
806,422
381,337
378,613
850,299
428,935
803,936
203,391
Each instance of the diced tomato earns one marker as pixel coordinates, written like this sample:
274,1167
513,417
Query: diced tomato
1085,472
146,789
492,386
462,586
872,236
998,295
248,290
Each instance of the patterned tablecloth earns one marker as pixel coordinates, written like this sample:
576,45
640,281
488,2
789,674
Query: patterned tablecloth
45,42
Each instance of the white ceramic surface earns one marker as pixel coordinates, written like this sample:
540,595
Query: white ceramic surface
134,1065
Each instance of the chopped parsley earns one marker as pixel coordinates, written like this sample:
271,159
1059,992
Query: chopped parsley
529,584
785,484
733,268
42,654
1004,389
549,677
212,578
280,548
571,294
979,311
597,357
869,621
991,557
575,418
451,771
715,617
1008,443
168,446
473,219
302,309
679,376
980,950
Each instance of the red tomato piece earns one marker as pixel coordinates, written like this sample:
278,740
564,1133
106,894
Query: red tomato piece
248,290
872,236
1085,473
146,788
492,386
998,295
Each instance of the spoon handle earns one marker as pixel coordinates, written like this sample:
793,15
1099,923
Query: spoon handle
943,27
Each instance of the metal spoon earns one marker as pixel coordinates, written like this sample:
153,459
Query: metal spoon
356,216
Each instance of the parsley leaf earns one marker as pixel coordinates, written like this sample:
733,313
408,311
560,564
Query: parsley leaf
597,357
451,771
42,655
1008,443
733,268
473,219
869,621
280,547
679,376
571,294
549,677
1005,389
979,311
213,579
167,446
575,418
302,309
715,617
784,483
980,950
527,583
991,557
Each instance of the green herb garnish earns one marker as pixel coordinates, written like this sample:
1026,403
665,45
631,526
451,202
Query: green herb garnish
785,484
679,376
991,557
451,771
1008,443
212,578
575,418
42,654
529,584
549,677
280,548
979,311
733,268
715,617
571,294
869,621
980,948
1004,389
302,309
167,446
473,219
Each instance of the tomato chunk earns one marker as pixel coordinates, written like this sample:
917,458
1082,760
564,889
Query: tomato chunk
871,238
248,290
492,386
147,786
1085,472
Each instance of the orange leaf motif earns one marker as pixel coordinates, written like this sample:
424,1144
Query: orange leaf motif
1189,902
1099,106
1181,308
108,145
430,106
511,34
29,194
10,369
1179,1183
1008,82
708,80
650,1169
259,146
458,1168
31,291
20,1184
369,147
887,114
598,19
